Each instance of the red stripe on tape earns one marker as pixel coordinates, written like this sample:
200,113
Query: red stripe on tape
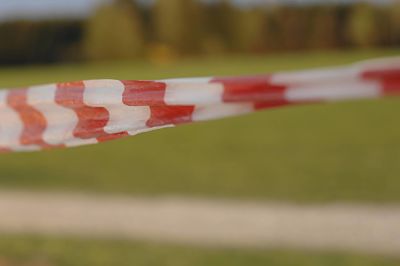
4,150
91,120
34,123
141,93
392,73
391,86
389,78
251,89
152,93
170,115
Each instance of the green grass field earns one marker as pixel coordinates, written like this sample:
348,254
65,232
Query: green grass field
34,251
322,153
347,151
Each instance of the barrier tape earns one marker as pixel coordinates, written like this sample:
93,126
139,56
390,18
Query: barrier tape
87,112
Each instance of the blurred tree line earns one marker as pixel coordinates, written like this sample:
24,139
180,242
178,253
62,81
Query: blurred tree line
125,29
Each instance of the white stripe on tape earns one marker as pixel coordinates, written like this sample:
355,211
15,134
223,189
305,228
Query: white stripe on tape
208,112
334,91
61,121
177,93
108,94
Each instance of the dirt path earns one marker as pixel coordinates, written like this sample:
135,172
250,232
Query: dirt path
373,229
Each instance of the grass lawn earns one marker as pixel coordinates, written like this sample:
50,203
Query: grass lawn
341,152
34,251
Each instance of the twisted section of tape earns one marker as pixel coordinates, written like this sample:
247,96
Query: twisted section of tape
87,112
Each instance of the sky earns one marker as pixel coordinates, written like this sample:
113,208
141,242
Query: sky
42,9
34,9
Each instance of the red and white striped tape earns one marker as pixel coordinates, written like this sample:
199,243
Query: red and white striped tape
92,111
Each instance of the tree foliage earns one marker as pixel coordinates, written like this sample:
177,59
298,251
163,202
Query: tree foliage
114,32
124,29
364,26
178,24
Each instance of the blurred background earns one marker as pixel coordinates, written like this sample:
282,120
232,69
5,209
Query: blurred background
48,31
346,153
